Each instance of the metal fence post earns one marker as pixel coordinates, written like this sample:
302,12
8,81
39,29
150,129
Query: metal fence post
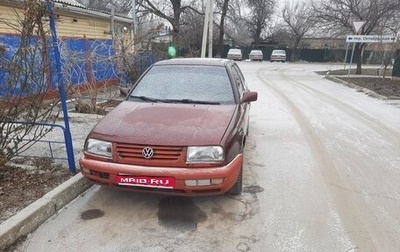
67,132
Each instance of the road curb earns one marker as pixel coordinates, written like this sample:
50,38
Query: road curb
358,88
31,217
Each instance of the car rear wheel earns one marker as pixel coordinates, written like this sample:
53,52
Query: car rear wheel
238,186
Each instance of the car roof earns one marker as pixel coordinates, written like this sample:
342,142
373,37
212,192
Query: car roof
194,61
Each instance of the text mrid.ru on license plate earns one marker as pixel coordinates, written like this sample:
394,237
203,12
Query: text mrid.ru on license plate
161,182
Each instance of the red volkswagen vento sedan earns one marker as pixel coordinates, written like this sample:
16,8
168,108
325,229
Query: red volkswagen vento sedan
181,130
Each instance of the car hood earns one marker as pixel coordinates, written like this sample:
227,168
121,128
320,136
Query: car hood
165,124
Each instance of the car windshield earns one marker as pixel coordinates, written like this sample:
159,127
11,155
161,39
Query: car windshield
185,84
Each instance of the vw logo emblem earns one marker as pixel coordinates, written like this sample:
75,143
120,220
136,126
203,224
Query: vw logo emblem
147,152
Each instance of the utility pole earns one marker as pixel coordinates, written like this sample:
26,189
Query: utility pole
134,21
206,27
210,30
134,24
113,22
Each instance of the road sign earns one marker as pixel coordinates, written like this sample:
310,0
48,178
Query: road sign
371,39
358,25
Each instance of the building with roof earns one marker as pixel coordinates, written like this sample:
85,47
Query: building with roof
86,34
72,20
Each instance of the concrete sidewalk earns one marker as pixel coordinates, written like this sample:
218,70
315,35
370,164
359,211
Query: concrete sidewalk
31,217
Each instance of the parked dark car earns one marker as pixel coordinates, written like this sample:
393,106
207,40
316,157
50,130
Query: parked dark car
181,130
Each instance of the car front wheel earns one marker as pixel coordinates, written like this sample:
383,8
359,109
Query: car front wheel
238,186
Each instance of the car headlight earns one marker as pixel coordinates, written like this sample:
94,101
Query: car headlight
202,154
98,147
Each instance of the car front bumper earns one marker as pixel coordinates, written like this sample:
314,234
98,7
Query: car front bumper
105,173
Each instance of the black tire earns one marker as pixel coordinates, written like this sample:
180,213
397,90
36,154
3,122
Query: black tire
238,186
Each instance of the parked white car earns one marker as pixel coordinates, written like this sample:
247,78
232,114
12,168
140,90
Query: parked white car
256,55
235,54
278,55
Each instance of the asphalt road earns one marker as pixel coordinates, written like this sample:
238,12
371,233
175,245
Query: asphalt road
322,172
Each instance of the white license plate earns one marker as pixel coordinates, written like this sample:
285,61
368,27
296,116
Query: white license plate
157,182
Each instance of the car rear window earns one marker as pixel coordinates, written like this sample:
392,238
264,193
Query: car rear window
235,51
194,82
278,52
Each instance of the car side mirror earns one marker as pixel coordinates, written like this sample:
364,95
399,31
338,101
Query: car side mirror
249,96
123,91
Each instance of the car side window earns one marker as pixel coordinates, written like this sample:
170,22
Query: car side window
239,79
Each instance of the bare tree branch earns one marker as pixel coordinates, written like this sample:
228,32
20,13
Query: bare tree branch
339,14
299,21
24,88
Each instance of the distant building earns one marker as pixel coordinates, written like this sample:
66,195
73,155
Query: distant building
323,43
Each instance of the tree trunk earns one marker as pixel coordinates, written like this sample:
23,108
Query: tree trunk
222,29
257,35
358,57
175,36
176,6
295,56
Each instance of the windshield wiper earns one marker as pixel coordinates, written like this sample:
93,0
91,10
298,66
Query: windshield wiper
145,98
190,101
